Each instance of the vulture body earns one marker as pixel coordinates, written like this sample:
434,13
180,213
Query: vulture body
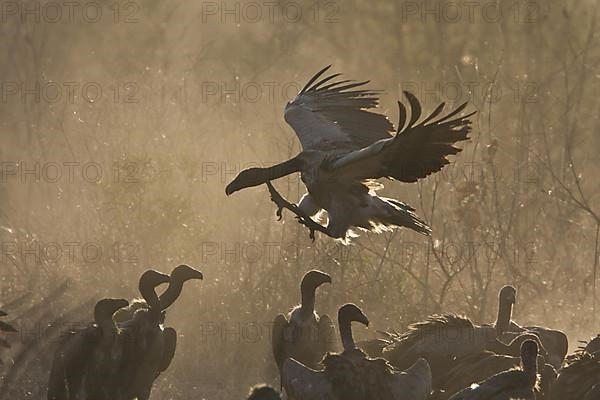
478,367
352,375
554,342
74,374
579,379
508,385
303,334
346,147
442,338
153,346
142,340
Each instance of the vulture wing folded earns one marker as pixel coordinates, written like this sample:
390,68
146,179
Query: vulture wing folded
303,383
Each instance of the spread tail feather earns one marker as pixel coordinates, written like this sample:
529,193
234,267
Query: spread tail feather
395,213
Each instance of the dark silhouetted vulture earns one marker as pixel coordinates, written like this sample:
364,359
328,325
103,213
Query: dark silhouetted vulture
518,383
352,375
303,334
142,340
555,342
346,147
576,380
443,338
479,366
7,328
73,374
155,354
263,392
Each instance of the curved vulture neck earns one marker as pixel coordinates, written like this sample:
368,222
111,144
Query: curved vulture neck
346,333
171,294
504,315
149,294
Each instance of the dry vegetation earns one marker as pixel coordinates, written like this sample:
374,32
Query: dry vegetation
535,225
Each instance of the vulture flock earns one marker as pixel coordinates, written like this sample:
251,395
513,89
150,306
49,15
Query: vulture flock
346,148
120,354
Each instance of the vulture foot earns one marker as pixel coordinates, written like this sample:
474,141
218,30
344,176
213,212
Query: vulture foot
303,219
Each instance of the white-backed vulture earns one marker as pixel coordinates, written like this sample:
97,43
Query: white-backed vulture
554,341
303,334
346,147
72,375
352,375
440,339
479,366
576,380
142,340
159,343
506,300
518,383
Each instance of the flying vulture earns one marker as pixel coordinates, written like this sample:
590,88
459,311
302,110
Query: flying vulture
346,147
352,375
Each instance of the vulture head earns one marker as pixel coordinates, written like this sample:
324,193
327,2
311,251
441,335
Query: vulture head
247,178
347,314
313,279
508,295
181,274
310,282
105,309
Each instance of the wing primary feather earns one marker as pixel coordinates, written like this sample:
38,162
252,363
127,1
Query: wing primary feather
453,113
434,114
415,108
324,80
314,78
401,117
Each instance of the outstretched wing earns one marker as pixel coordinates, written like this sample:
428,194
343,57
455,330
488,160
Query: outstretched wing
301,382
414,153
328,115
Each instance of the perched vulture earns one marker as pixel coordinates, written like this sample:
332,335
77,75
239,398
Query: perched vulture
5,327
352,375
346,148
579,379
554,342
518,383
479,366
263,392
153,346
303,334
443,338
74,373
142,340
